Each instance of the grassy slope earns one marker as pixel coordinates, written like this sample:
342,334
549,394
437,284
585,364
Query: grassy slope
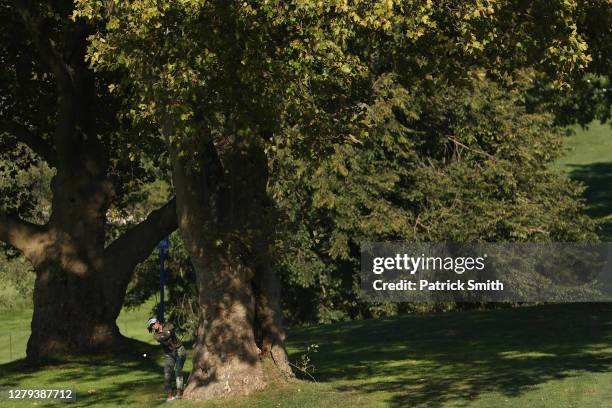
589,159
553,356
17,324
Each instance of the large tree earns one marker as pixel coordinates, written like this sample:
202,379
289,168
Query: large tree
53,104
232,84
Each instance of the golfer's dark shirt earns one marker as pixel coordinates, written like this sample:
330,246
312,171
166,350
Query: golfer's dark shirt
167,338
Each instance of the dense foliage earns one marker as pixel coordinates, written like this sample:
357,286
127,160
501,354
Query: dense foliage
590,96
463,164
381,120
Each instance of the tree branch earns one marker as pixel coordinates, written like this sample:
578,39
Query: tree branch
45,45
136,244
19,233
33,141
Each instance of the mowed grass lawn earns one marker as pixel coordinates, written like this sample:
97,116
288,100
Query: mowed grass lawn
589,160
539,356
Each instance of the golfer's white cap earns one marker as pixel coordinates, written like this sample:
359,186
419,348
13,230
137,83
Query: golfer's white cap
151,322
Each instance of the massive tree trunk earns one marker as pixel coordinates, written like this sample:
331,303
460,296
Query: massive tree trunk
73,311
80,284
226,357
224,220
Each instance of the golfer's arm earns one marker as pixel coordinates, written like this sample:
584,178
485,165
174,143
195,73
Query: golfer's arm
163,335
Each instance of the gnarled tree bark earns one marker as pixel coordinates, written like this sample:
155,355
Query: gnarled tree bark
222,217
80,286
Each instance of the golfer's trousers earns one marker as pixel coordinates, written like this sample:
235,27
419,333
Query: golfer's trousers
173,364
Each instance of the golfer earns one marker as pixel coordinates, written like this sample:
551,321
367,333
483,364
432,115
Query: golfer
175,355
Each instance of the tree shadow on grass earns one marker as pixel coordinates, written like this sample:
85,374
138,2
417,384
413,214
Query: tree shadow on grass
109,378
598,179
454,358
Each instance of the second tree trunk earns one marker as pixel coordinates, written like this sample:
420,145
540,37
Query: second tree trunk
224,219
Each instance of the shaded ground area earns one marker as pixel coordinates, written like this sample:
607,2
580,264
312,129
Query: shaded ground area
541,356
589,160
598,179
113,381
486,358
101,380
